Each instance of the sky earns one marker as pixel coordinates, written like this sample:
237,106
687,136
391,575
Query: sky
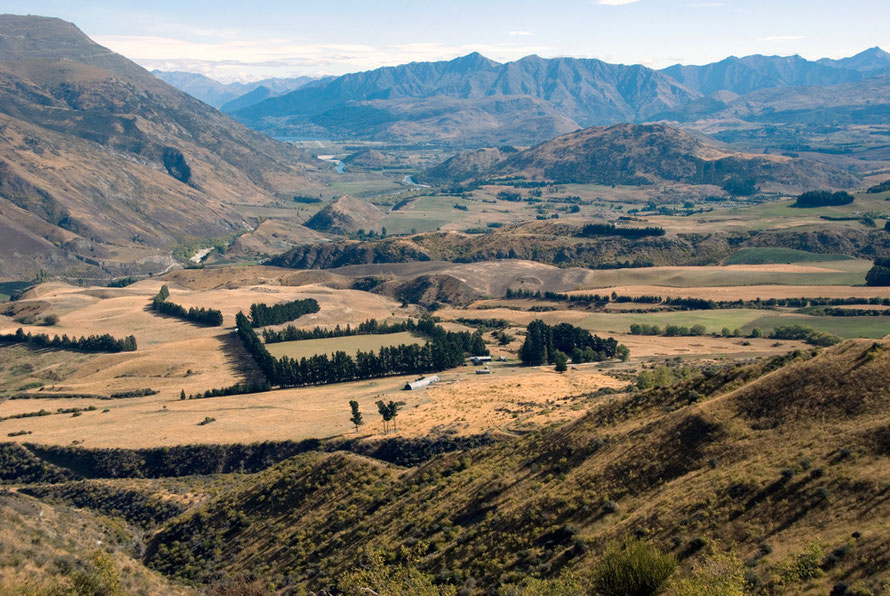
236,40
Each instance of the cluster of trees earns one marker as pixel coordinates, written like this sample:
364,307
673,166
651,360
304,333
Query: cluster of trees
92,343
882,187
263,314
806,334
823,198
506,195
369,327
740,187
606,229
484,324
122,282
670,330
388,411
854,312
444,349
204,316
543,344
879,274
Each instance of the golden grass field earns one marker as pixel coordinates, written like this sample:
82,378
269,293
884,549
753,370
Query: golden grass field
350,344
174,355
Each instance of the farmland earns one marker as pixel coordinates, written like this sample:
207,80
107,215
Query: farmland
351,344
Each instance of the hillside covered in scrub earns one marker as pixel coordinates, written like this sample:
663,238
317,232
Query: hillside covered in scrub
564,244
766,478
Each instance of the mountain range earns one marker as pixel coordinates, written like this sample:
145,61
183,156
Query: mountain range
475,100
218,95
105,168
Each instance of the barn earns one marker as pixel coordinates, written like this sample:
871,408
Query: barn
421,383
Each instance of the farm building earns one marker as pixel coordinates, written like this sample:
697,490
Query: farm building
421,383
480,359
483,371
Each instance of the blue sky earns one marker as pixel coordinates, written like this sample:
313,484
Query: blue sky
227,41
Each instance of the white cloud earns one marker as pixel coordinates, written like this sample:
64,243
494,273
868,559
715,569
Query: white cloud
252,59
519,33
616,2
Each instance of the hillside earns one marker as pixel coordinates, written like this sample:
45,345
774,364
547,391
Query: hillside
557,244
771,454
642,154
469,164
105,168
347,215
766,477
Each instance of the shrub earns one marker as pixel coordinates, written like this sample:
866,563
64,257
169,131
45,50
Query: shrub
634,568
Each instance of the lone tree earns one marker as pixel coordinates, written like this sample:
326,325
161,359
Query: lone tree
182,394
356,415
561,360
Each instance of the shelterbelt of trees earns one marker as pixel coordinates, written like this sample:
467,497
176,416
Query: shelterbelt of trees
682,303
92,343
546,344
443,350
263,314
203,316
369,327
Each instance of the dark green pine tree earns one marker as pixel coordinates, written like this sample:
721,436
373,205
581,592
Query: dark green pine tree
356,415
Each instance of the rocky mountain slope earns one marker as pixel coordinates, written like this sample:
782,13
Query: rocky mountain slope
473,100
105,167
474,95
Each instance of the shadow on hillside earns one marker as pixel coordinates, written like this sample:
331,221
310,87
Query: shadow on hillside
239,360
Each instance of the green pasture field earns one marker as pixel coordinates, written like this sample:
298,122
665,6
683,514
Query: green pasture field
740,318
306,348
769,256
846,327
